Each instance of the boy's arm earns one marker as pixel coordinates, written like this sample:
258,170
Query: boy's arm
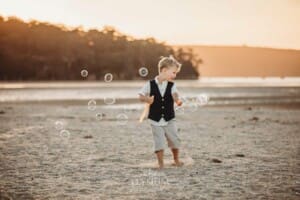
144,94
146,98
176,96
176,99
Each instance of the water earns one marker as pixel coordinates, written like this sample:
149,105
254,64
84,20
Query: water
219,90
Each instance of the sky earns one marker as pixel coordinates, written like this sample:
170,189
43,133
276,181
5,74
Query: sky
263,23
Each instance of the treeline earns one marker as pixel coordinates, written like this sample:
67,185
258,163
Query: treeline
42,51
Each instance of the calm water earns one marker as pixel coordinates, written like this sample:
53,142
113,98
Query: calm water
220,90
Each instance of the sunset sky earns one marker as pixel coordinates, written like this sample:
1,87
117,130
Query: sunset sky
270,23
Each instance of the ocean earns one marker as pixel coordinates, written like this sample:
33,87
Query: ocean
221,91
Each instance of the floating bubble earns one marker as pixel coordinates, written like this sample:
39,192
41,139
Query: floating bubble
99,116
65,134
193,105
189,104
143,71
92,105
109,100
84,73
179,110
122,119
59,125
184,99
128,109
108,77
202,99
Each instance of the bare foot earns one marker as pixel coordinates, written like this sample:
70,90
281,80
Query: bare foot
159,167
178,164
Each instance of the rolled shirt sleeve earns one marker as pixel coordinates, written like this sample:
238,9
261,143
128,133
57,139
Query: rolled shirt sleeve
174,89
145,90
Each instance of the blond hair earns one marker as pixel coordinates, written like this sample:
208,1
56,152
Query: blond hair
166,62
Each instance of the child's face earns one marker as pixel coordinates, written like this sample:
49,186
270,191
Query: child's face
170,73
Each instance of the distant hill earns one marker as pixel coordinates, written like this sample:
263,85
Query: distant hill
246,61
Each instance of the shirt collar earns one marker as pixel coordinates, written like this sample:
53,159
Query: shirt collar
157,82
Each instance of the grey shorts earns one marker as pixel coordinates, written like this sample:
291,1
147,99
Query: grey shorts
168,133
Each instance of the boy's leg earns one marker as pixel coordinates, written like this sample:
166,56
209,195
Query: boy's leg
173,141
160,158
176,158
159,144
175,154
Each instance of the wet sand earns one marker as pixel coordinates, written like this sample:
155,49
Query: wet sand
62,151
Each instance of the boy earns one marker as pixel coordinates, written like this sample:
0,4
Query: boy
160,94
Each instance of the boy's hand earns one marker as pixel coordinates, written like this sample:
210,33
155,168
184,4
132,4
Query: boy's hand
147,99
150,99
176,99
179,102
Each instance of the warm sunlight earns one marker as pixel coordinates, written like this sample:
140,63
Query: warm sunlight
273,23
149,99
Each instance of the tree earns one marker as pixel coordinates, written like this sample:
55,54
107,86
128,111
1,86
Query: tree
42,51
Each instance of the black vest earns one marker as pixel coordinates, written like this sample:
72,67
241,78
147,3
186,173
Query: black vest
162,107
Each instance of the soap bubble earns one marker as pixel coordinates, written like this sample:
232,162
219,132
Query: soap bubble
109,100
202,99
122,119
92,105
127,109
59,125
184,99
193,106
84,73
108,77
179,110
65,134
143,71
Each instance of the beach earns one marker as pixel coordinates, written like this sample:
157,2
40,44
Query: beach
67,148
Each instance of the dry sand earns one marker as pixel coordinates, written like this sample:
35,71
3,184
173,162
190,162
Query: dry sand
230,153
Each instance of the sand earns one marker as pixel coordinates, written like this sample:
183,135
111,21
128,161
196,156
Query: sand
62,151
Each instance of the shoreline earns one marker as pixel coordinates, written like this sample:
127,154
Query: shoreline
129,95
196,83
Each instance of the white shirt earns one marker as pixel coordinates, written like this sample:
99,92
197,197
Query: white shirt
145,91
